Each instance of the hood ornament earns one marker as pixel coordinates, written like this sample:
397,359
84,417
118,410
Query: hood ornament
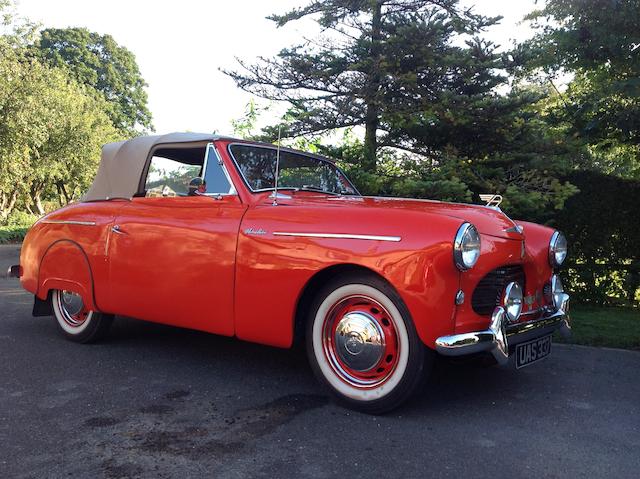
492,200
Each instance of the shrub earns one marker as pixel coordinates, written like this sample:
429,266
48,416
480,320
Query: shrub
602,224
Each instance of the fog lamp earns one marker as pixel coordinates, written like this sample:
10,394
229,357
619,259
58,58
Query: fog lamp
512,301
557,292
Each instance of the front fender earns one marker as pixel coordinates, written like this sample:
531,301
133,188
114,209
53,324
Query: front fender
273,270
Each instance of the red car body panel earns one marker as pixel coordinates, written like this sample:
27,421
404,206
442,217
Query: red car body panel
272,270
221,265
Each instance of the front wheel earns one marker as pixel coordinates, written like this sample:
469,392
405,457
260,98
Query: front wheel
76,322
363,345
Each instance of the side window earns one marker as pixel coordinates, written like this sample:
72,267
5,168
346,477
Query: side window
171,170
215,176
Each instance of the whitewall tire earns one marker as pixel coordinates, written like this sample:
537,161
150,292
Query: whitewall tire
362,344
75,321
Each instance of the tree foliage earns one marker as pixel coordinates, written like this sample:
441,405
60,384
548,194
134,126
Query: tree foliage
597,42
380,64
51,127
99,62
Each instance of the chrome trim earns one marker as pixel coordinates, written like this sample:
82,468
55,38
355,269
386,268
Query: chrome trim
459,297
13,271
71,305
359,341
500,336
493,340
255,232
552,247
513,291
68,222
491,199
555,281
279,196
457,246
286,150
515,229
339,236
232,188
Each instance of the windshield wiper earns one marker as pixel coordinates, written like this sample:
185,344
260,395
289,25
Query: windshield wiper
317,189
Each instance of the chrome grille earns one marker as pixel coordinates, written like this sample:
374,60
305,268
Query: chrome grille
487,294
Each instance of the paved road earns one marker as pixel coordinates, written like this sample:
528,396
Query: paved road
156,401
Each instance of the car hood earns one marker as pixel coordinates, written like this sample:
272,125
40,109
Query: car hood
488,221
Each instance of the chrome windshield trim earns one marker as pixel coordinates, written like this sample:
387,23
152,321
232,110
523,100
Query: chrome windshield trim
287,150
68,222
339,236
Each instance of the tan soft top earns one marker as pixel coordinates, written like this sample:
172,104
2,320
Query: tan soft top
122,163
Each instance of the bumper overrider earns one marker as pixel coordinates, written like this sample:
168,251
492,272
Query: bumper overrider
501,335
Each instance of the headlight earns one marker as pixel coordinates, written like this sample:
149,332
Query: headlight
512,301
556,292
557,249
466,247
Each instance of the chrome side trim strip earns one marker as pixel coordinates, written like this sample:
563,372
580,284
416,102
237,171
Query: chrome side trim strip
68,222
339,236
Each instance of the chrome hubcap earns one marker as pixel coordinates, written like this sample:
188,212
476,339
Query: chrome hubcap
359,341
72,308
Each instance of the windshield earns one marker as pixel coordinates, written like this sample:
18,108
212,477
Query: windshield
300,172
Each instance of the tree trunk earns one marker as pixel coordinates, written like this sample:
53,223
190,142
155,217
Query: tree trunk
63,195
36,199
7,203
372,116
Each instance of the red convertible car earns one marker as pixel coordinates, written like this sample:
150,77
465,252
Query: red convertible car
273,245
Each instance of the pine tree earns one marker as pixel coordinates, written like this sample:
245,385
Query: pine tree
390,66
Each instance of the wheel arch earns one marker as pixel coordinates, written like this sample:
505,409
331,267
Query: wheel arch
65,265
310,289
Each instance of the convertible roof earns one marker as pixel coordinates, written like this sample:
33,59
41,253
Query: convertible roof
122,163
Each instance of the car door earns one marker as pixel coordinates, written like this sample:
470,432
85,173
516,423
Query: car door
172,256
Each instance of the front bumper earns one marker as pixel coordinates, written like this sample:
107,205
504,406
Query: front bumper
501,336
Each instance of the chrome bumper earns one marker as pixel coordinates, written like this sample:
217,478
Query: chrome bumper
501,335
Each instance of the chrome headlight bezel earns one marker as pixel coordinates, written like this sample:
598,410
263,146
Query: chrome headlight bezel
512,301
466,247
557,249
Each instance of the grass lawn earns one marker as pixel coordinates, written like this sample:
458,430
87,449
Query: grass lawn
611,327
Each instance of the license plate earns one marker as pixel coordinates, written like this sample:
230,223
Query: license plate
532,351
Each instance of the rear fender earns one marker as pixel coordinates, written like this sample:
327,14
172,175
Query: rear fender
65,265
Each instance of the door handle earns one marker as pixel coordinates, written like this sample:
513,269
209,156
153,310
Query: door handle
116,229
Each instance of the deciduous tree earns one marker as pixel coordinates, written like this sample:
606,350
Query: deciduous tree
99,62
51,131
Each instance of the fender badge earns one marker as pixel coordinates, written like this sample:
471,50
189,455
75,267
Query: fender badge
255,232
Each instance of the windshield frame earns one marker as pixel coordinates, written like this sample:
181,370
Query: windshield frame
295,152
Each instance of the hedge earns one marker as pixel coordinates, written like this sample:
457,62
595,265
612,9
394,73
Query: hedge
602,225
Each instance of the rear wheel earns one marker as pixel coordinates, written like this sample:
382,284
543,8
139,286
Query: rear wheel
76,322
363,345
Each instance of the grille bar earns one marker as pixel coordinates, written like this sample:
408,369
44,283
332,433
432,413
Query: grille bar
487,294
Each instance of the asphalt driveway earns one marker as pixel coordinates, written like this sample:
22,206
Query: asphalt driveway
155,401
